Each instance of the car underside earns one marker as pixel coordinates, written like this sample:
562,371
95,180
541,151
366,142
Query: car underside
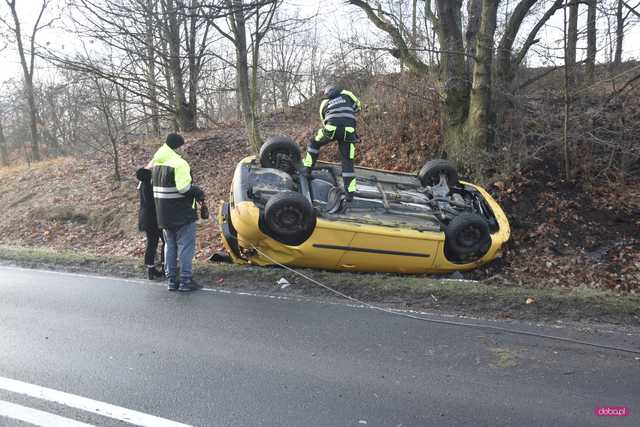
291,202
281,213
384,198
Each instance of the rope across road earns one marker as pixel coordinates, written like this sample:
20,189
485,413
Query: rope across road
447,322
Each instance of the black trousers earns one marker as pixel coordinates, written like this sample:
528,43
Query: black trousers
153,238
346,149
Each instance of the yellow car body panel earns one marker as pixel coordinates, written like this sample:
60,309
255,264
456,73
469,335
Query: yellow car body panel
346,245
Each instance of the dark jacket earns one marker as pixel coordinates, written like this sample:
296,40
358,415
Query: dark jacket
147,220
174,194
339,108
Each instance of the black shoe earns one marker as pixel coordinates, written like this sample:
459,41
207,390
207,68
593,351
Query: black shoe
153,273
188,285
172,284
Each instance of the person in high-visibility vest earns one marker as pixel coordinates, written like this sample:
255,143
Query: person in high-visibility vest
338,115
175,198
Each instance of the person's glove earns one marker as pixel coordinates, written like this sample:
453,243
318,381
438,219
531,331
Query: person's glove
204,211
195,192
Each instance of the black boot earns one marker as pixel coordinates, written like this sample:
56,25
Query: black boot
153,273
306,172
188,285
172,284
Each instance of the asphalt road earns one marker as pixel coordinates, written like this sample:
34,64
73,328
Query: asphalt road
224,359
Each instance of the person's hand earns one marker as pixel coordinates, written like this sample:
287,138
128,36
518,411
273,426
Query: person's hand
197,193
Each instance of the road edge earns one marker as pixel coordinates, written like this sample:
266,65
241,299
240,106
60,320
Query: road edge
447,296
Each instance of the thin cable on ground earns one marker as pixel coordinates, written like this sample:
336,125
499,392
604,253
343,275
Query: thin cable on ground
447,322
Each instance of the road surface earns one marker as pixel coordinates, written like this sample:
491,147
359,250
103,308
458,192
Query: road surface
79,350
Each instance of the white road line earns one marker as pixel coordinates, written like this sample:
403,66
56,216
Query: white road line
85,404
36,417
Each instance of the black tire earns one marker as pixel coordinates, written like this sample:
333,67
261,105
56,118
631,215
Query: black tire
280,152
289,218
429,175
467,238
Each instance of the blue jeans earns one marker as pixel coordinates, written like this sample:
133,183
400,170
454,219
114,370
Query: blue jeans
179,243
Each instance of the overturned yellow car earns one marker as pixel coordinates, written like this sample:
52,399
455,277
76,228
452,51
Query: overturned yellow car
428,222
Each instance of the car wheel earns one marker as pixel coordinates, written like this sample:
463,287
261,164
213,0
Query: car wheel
280,152
467,238
289,218
429,175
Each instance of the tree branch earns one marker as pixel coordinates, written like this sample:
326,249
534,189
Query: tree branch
404,52
632,9
532,38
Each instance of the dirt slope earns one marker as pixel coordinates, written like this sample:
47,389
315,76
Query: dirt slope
564,234
74,203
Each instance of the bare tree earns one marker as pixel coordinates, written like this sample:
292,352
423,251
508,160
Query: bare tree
27,61
507,61
172,33
572,41
619,33
465,110
238,24
4,155
478,122
149,21
591,39
104,105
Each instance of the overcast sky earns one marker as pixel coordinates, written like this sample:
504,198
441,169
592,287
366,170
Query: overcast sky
333,14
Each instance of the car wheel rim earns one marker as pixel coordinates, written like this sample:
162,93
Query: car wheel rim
289,219
281,160
469,236
435,176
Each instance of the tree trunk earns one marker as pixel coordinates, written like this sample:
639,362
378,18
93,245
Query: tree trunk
566,97
414,24
255,90
151,68
171,98
28,81
242,69
193,68
591,40
505,72
182,113
474,10
478,122
58,128
121,127
105,109
455,90
4,154
572,42
33,119
619,33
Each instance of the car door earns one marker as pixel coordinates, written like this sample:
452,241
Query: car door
391,249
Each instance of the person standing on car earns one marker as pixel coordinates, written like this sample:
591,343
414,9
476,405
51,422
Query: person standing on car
338,115
148,222
175,198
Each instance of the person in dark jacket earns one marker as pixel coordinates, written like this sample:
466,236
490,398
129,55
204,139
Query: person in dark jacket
148,223
175,198
338,115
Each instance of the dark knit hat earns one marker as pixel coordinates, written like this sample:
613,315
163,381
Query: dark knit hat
174,140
